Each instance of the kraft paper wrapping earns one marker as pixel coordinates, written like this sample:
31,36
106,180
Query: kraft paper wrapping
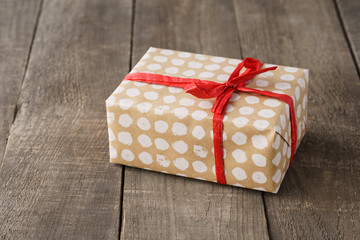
167,130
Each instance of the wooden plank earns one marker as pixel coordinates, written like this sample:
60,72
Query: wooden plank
17,26
56,179
349,12
320,197
160,206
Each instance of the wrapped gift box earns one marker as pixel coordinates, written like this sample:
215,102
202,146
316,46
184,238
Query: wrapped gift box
165,129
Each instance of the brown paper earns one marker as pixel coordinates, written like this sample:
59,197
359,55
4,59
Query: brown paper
167,130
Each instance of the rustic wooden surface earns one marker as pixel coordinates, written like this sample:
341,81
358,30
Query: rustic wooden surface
349,15
55,180
16,36
59,60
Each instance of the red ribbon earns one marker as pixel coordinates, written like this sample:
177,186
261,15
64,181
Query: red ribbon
222,92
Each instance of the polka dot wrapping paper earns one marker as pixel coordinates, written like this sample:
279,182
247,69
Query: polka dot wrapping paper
165,129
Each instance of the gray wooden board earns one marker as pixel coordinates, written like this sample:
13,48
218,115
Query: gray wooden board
349,11
17,26
56,181
161,206
319,198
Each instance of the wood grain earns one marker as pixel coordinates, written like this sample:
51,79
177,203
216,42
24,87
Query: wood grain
319,198
349,12
160,206
56,181
17,27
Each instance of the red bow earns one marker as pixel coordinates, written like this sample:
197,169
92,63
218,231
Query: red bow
222,92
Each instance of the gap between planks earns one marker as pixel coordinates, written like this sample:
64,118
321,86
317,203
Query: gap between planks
17,106
130,67
346,35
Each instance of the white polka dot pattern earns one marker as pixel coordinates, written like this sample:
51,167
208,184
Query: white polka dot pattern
181,163
146,158
161,144
167,130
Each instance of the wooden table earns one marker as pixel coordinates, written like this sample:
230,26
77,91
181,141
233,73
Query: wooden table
60,60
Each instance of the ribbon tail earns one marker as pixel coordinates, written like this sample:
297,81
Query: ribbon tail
196,87
218,147
162,79
202,89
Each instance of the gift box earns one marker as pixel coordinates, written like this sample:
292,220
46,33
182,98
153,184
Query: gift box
168,114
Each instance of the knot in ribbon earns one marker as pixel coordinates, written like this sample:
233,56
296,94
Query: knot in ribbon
222,92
